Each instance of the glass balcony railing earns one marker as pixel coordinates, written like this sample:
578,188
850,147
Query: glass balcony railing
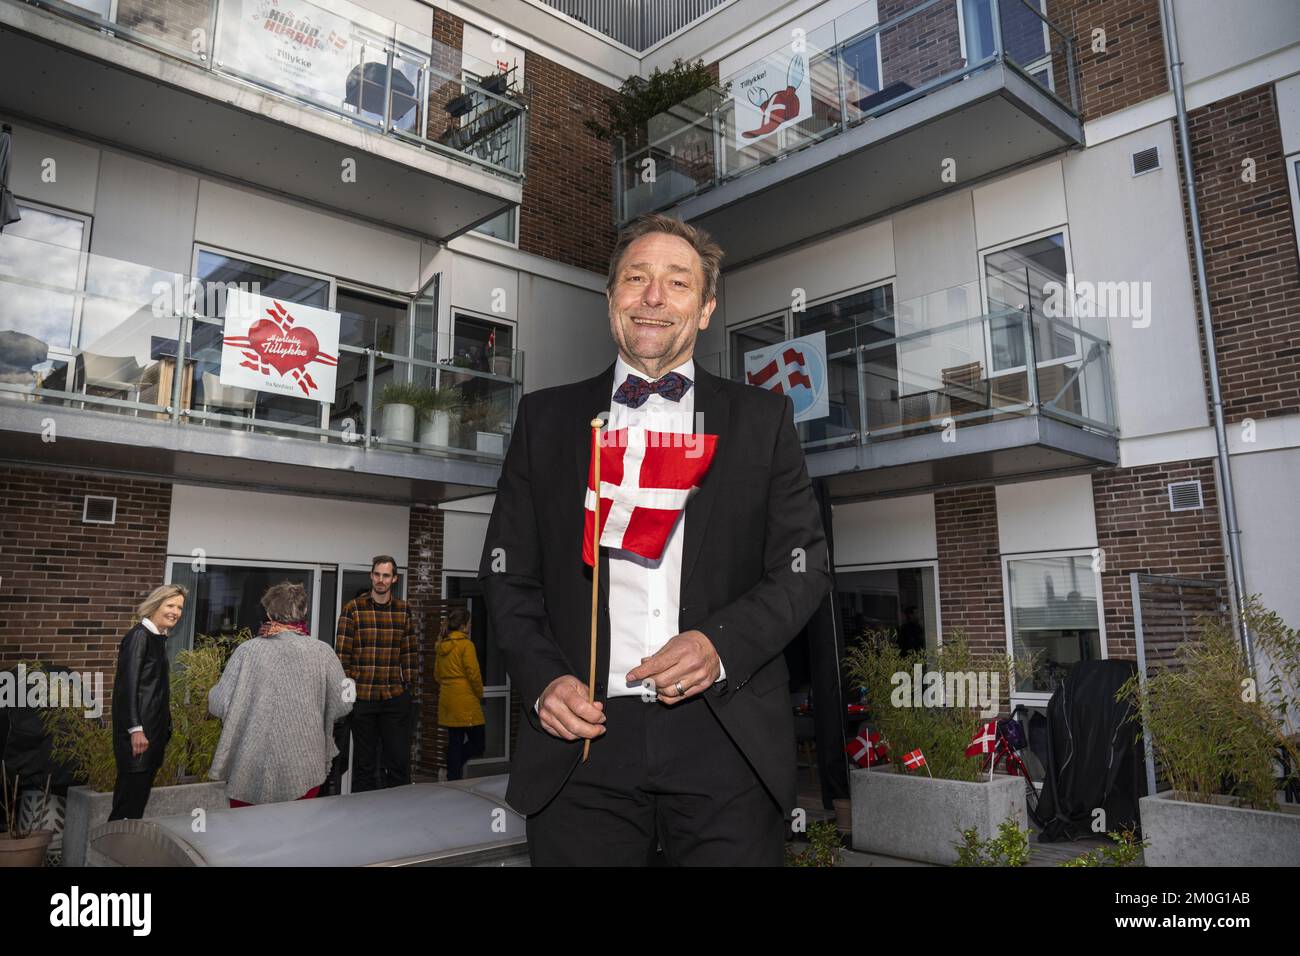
337,57
819,83
84,331
945,361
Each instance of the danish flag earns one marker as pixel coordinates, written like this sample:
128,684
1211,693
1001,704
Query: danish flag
784,374
866,750
984,739
914,760
646,479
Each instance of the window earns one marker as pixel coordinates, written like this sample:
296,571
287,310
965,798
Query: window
481,344
496,683
861,70
904,599
977,37
862,385
43,263
503,227
1054,616
1016,280
367,321
751,336
1293,173
226,597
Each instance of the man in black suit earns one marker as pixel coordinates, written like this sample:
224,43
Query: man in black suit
692,738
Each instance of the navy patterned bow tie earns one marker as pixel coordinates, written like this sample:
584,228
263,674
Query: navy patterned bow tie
634,392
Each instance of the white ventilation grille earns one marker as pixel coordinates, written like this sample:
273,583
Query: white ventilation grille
1185,496
1145,160
99,510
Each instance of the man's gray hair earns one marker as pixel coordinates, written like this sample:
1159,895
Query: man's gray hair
710,252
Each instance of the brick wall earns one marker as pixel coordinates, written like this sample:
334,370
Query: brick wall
68,589
424,594
1251,264
170,22
1132,68
922,47
1137,532
567,210
970,567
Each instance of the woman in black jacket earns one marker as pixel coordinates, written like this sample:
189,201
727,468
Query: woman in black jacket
142,722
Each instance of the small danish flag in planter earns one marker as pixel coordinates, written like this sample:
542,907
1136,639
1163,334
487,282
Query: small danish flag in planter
915,761
984,739
866,750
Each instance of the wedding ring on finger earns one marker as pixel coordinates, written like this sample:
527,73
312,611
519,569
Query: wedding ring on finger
681,691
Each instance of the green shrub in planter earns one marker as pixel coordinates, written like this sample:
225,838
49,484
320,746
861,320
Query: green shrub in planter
1009,848
941,732
88,744
405,393
1215,730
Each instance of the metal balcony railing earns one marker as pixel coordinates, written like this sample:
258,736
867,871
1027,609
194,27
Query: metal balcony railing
335,57
946,361
831,79
85,331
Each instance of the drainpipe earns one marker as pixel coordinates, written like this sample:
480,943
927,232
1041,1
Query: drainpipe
1207,324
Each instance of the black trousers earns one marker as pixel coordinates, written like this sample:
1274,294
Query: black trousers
381,743
131,794
666,777
463,745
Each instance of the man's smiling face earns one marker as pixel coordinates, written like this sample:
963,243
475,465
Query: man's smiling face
655,313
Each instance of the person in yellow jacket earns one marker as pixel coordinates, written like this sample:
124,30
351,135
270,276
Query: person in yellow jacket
460,691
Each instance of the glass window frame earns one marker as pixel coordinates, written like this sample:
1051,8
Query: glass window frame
1040,698
490,691
1077,356
458,312
511,243
69,352
1293,177
932,564
173,560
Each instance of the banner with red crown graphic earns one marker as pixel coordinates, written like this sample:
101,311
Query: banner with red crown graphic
282,347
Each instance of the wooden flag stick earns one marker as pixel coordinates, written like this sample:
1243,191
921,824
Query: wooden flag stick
596,425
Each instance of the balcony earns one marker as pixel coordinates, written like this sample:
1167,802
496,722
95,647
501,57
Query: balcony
873,117
937,392
113,366
242,90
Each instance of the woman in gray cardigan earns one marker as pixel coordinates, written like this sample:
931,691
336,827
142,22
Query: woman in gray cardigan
278,699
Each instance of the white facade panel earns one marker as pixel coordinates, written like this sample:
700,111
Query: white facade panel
1019,205
887,531
1055,514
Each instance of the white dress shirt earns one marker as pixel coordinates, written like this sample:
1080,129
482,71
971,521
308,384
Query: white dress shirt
645,595
149,626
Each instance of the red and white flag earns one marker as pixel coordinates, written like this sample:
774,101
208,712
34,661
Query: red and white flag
866,750
915,760
783,373
646,479
982,742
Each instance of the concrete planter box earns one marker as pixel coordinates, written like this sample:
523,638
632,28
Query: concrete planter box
1182,833
921,818
88,810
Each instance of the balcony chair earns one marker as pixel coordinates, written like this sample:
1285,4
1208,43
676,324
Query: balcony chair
110,373
228,398
966,390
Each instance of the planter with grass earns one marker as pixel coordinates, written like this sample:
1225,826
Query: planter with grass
922,814
482,427
1221,736
441,405
181,784
21,845
399,405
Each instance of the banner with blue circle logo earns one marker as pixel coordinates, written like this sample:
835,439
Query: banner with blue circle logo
795,367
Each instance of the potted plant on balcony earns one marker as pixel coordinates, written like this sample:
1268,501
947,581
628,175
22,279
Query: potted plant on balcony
483,426
933,703
181,784
399,404
436,412
1220,735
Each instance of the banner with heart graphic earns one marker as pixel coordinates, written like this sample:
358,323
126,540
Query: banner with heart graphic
281,347
771,94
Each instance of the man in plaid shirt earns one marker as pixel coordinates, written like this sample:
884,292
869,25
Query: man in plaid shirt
377,646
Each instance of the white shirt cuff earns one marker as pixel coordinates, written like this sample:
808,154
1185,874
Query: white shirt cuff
132,730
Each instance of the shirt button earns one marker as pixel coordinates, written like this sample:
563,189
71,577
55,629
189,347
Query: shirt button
656,612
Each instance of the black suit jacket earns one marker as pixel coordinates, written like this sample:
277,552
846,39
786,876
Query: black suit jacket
141,698
745,583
